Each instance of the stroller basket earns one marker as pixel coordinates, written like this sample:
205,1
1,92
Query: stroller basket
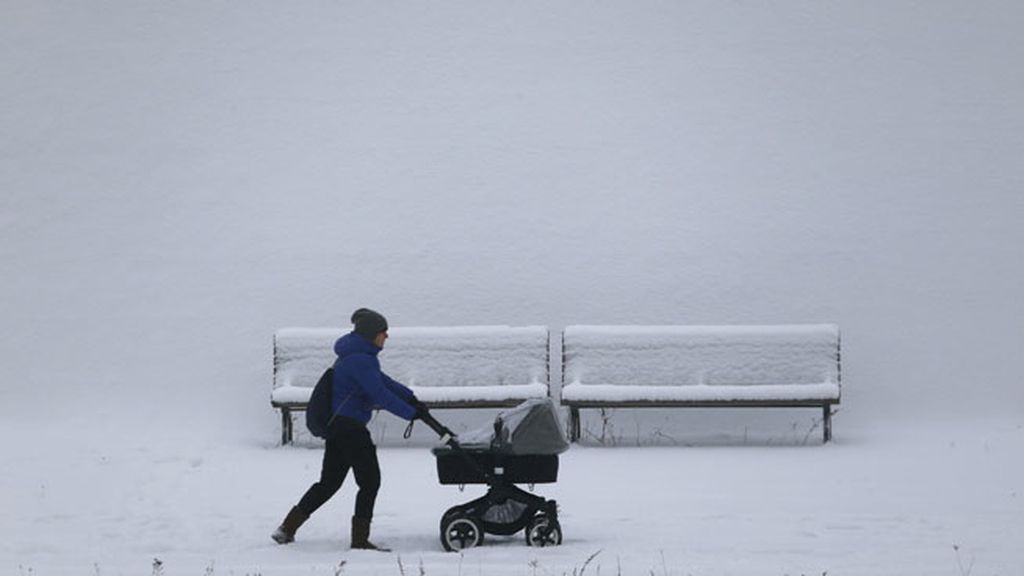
468,467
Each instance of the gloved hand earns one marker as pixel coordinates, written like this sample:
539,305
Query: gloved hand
422,413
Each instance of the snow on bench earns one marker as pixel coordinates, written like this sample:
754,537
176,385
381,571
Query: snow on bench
700,366
446,367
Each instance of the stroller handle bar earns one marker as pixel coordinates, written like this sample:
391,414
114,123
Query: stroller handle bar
447,436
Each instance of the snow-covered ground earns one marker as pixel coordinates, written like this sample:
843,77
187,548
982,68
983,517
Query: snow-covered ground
889,500
179,180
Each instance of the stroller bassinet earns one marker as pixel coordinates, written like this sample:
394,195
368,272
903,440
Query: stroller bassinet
522,447
469,467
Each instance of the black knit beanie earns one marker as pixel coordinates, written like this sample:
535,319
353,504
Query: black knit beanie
368,323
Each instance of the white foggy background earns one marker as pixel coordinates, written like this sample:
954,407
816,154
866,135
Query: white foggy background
179,180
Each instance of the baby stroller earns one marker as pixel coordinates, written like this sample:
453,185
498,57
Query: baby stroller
523,447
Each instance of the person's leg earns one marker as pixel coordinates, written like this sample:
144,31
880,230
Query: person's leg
332,475
366,470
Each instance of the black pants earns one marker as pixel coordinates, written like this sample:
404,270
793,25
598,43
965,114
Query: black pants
349,446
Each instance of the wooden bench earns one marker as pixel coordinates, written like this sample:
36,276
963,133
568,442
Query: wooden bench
446,367
700,366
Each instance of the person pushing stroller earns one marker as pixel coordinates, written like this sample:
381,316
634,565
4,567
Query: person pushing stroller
359,387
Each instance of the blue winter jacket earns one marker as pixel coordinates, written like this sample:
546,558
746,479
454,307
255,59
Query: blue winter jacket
359,385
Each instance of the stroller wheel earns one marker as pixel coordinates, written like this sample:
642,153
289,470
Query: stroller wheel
459,532
543,531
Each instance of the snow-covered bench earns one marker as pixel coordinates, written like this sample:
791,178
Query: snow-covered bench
700,366
446,367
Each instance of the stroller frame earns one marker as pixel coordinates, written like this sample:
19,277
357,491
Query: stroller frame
504,510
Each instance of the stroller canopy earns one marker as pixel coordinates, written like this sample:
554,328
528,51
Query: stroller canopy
532,427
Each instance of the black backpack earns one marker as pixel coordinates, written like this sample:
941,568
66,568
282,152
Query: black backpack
318,411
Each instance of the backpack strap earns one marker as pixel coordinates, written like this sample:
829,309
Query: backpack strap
340,406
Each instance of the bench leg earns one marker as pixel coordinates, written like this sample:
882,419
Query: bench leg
574,424
286,426
827,423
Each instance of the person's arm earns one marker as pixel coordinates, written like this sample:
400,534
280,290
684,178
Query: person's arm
398,389
367,373
403,392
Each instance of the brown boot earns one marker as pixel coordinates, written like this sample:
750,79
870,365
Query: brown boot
361,535
285,533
